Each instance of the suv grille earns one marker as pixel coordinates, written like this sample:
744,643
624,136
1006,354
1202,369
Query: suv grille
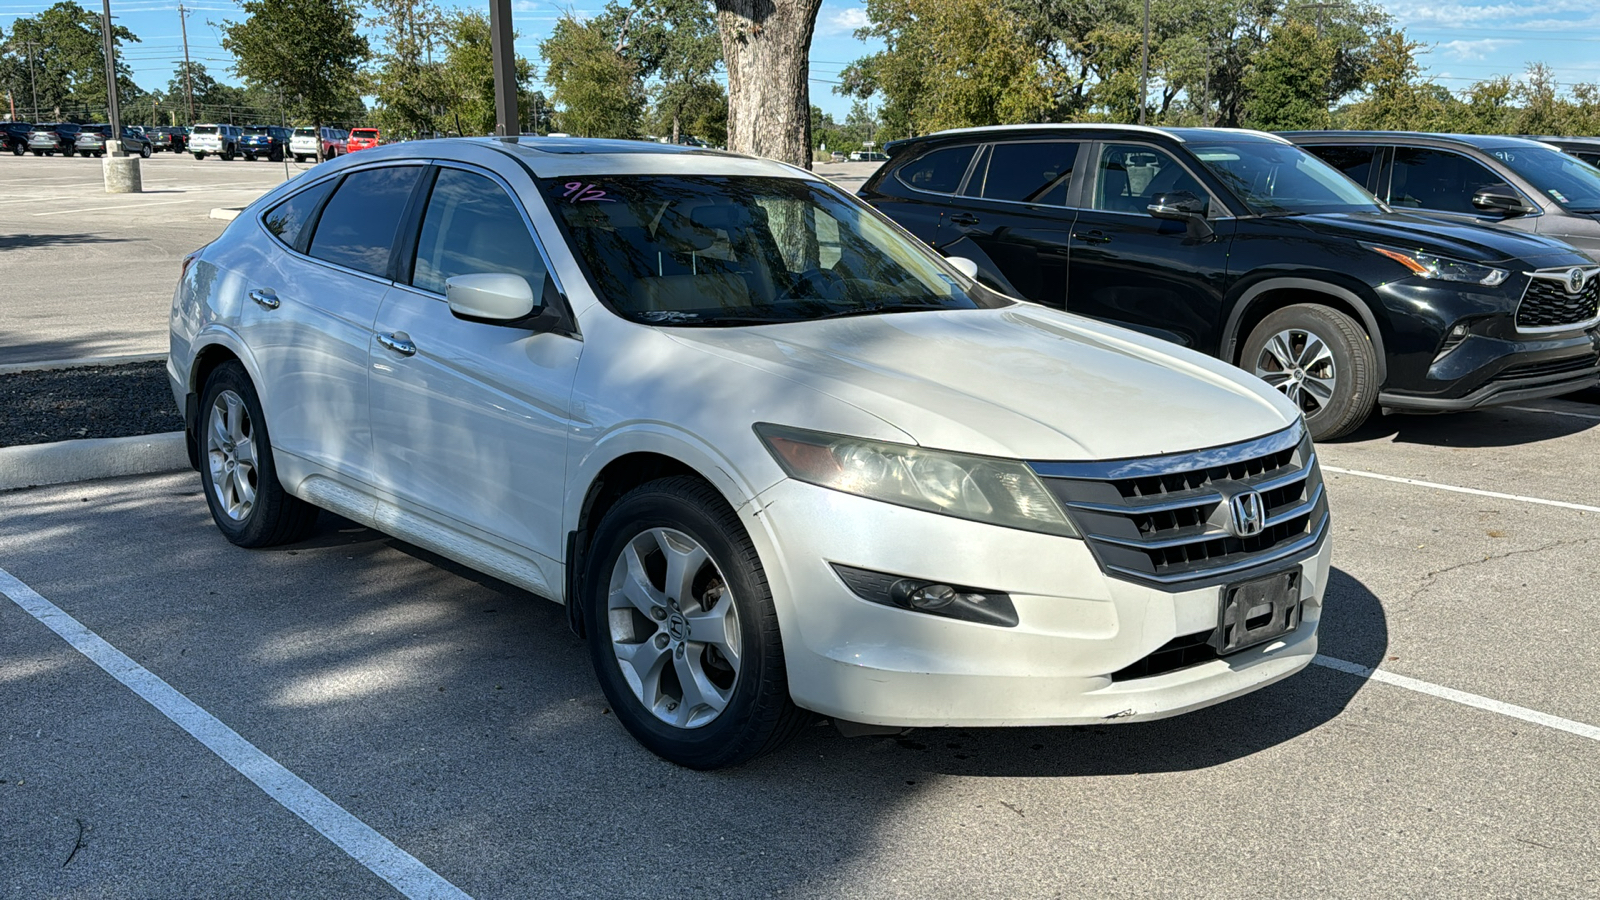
1546,303
1166,519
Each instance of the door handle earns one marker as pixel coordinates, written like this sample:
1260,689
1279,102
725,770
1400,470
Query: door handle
399,342
1091,237
963,219
265,298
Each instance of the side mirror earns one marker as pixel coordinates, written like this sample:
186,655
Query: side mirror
495,298
1501,199
963,265
1184,206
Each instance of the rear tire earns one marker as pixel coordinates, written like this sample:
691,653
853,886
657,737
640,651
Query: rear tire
299,159
682,630
145,151
18,150
199,156
247,502
1322,360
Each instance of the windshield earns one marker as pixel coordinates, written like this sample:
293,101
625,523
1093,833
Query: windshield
1282,179
712,250
1565,179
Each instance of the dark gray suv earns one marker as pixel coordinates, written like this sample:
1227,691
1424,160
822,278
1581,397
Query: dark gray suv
1516,183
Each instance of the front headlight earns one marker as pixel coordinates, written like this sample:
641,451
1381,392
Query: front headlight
1442,268
983,489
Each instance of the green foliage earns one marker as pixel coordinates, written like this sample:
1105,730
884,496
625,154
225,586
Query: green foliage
597,88
304,51
466,90
1289,81
406,82
1397,98
68,70
949,64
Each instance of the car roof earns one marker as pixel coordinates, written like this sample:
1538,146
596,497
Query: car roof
1479,141
548,157
1180,135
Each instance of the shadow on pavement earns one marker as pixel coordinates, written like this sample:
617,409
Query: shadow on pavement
1491,427
37,241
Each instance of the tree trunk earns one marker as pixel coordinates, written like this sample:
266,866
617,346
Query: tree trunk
675,131
767,47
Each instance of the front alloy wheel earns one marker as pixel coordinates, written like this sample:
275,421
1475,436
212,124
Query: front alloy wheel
1299,364
1322,361
674,628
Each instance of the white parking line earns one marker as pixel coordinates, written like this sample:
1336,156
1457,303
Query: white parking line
1462,490
129,205
402,870
1473,700
1555,412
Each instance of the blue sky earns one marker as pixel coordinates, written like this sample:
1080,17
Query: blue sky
1466,41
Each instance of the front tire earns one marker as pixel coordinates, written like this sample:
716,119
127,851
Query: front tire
682,630
247,502
145,151
1322,361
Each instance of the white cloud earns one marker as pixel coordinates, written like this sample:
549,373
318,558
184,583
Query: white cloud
1425,13
845,21
1468,50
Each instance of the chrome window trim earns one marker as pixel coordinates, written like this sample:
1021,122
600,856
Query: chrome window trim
1147,466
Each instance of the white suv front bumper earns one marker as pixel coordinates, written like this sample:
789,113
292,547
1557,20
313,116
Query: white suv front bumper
878,664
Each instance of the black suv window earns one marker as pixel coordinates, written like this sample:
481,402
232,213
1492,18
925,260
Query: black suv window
472,227
1130,176
1437,179
1026,172
939,171
1356,162
287,220
358,225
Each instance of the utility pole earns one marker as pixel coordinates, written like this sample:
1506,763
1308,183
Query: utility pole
111,81
188,82
32,87
1144,64
507,122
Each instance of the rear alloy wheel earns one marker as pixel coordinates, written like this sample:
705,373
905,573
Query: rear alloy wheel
1322,361
247,502
145,151
18,150
682,630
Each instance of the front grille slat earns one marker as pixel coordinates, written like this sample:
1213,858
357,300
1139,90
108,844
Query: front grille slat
1171,524
1546,303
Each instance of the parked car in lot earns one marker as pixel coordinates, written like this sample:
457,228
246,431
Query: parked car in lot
215,140
1242,246
306,138
92,140
174,138
57,137
1586,149
1516,183
747,479
362,139
268,142
14,137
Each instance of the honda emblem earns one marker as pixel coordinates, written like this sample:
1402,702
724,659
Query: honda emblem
1248,515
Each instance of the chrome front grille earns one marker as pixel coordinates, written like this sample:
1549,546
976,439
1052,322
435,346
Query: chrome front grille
1547,305
1168,520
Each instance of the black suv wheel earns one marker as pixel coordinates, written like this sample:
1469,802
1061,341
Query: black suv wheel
1321,360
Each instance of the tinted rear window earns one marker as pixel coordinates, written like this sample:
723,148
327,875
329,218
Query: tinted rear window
1355,162
287,220
358,225
1027,172
203,129
939,171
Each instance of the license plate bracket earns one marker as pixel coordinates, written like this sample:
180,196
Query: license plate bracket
1256,611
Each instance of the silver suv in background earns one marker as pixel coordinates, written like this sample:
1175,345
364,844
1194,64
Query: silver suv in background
304,142
221,140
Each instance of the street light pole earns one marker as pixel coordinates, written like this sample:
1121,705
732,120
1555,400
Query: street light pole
504,55
111,81
1144,64
188,82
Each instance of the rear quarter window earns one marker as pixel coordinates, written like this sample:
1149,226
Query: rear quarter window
938,172
287,221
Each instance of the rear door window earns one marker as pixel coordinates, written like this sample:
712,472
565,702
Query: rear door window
939,172
1425,178
1355,162
1026,172
357,227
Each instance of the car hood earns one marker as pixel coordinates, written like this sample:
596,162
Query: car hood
1024,382
1445,236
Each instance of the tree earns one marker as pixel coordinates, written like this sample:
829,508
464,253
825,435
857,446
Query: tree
467,78
1288,83
305,51
407,84
766,45
61,55
597,88
1543,111
1397,98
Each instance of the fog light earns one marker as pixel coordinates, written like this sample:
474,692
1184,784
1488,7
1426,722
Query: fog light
932,597
1452,340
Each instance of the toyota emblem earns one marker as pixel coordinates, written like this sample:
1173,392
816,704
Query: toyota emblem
1574,280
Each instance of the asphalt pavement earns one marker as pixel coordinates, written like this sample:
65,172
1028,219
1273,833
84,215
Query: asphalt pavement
459,719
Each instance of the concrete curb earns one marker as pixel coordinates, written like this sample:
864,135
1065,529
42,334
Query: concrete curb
226,213
81,460
45,364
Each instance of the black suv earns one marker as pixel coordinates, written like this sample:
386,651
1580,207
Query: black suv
14,137
1241,245
167,137
1517,183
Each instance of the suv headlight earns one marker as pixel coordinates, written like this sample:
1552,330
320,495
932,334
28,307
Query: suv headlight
980,488
1442,268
